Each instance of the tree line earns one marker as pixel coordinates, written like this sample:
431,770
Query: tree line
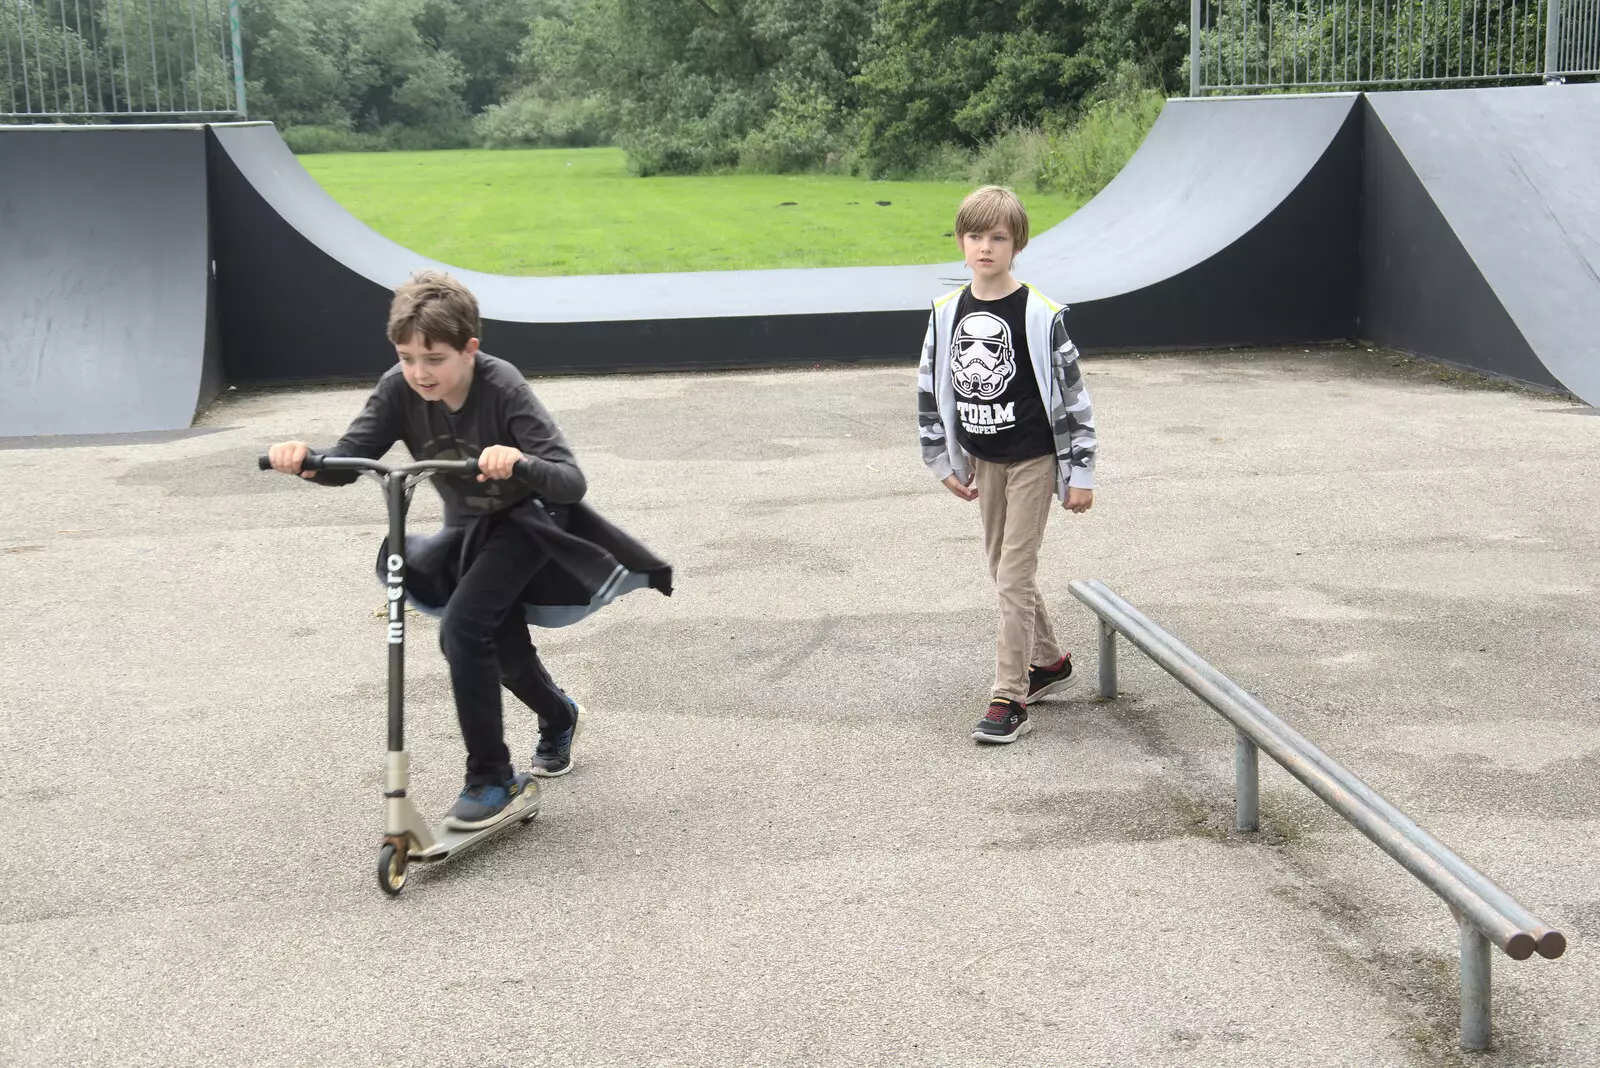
877,86
881,87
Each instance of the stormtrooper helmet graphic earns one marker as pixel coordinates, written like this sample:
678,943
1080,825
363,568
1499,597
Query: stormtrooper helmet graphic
982,360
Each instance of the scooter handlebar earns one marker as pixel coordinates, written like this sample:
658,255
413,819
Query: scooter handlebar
315,461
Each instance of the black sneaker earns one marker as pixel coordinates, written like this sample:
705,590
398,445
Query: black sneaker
1044,681
1006,721
483,804
553,755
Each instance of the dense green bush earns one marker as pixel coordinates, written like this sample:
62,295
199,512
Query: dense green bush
1082,157
1075,156
805,132
963,71
1015,158
533,120
708,85
305,140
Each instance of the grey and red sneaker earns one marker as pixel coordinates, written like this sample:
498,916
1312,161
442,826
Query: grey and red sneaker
1054,679
1005,722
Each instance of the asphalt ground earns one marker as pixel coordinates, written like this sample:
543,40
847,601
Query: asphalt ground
779,845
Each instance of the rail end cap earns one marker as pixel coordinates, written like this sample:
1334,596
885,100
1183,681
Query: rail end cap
1520,946
1552,944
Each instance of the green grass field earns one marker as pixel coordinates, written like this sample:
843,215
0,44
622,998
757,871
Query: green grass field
553,211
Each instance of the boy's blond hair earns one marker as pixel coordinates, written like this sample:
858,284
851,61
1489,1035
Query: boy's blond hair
437,307
991,207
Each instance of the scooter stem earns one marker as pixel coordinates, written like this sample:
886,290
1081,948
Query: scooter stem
394,492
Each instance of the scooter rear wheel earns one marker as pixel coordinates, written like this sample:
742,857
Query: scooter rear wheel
391,869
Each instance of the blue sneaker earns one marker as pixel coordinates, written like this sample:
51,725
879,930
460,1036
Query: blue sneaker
553,755
483,804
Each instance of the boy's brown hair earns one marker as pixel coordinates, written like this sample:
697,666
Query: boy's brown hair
990,207
436,307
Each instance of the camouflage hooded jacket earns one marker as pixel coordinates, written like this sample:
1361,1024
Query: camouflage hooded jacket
1055,368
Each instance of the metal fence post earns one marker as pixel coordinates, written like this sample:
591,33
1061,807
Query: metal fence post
1246,783
1552,42
1194,47
1108,660
238,58
1474,987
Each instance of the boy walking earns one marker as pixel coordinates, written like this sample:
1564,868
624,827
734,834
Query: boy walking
1004,418
511,546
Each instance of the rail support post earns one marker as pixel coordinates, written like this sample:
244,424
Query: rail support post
1474,987
1246,783
1107,662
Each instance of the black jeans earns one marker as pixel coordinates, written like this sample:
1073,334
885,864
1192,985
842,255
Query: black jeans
485,640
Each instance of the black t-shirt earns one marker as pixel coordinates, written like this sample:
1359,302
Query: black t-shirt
1000,416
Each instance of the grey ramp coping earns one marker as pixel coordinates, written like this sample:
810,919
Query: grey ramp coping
1513,172
104,281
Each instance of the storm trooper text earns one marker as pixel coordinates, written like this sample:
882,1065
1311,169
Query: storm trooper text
987,418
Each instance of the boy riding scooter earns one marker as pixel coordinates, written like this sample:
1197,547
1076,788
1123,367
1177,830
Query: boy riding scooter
517,545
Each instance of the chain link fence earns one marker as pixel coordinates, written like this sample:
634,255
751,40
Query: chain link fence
1239,46
99,59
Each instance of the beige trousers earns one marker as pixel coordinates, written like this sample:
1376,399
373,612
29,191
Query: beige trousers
1015,501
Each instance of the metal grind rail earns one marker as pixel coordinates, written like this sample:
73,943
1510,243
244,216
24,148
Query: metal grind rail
1484,912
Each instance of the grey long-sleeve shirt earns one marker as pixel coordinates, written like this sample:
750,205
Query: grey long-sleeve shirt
500,409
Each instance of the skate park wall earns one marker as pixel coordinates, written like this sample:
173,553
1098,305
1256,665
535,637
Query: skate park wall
143,267
1481,230
106,291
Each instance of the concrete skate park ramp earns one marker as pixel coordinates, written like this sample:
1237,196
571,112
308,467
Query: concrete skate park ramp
1482,230
308,288
104,280
1461,225
1234,224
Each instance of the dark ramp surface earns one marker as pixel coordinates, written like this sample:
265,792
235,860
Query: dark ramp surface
104,281
1484,230
1235,223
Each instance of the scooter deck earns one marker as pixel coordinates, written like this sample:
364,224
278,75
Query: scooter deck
447,841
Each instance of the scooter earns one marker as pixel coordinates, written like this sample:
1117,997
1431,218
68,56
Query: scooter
408,837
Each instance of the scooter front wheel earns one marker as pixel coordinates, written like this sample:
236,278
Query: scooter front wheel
392,869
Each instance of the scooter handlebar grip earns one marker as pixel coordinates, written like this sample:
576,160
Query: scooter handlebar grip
522,468
312,462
